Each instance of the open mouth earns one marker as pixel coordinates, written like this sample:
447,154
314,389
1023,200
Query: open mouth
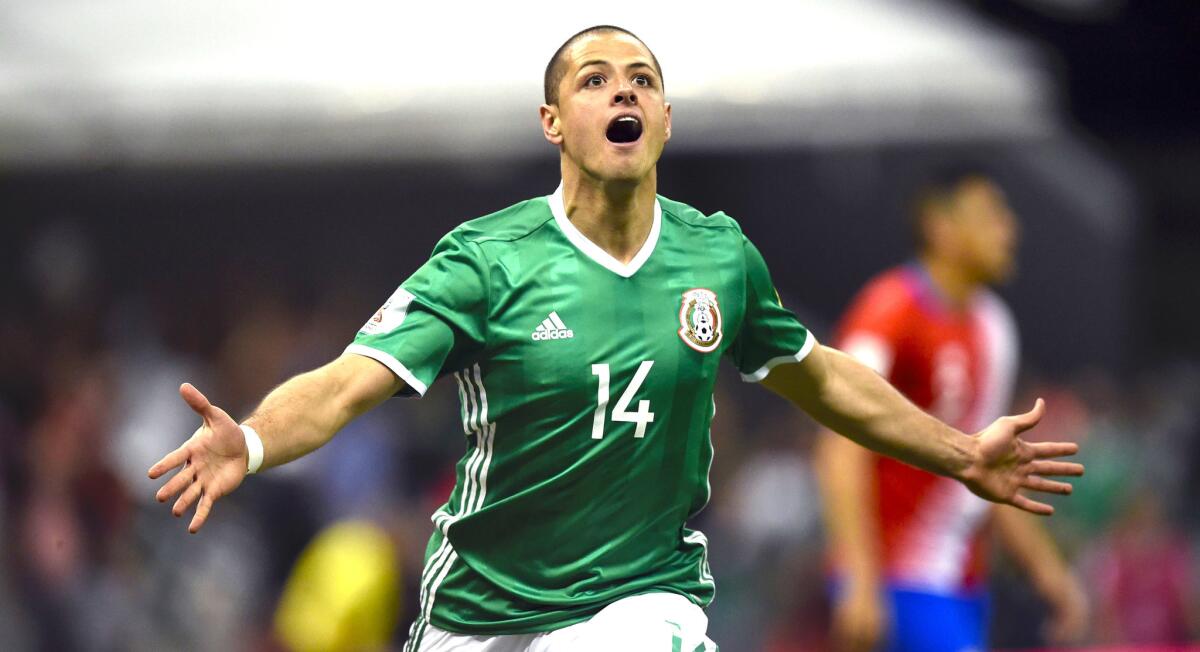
624,129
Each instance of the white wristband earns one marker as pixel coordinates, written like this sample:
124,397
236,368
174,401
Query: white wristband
254,449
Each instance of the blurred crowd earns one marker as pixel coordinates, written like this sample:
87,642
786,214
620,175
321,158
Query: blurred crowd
88,401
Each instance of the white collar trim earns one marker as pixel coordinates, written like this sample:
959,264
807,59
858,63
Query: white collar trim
592,250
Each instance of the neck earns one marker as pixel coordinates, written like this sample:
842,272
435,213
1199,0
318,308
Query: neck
952,281
615,215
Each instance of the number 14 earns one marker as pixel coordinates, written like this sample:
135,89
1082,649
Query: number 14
621,411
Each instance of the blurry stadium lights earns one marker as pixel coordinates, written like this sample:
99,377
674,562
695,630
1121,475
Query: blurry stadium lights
152,82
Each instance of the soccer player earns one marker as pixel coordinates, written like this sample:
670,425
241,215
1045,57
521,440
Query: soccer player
583,331
907,544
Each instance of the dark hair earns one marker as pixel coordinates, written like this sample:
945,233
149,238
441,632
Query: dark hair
938,190
558,66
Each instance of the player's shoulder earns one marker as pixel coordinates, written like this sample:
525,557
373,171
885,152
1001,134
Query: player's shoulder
889,296
692,217
507,224
990,307
884,305
988,299
896,287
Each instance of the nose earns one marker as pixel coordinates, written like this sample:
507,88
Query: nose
625,95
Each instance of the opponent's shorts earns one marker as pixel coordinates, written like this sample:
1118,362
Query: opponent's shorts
927,622
651,622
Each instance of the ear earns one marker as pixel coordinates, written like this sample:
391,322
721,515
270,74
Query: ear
551,126
668,116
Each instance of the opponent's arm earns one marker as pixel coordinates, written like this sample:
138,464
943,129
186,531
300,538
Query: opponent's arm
296,418
1030,544
848,397
850,508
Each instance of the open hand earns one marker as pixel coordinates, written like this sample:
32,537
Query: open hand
213,461
1005,463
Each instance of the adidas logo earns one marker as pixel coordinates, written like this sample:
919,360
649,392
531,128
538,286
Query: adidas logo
552,328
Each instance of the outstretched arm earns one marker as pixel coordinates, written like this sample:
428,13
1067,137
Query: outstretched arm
849,398
296,418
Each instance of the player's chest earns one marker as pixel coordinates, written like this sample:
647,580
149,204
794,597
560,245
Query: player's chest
941,366
565,322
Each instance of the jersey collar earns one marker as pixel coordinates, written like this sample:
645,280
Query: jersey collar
592,250
931,298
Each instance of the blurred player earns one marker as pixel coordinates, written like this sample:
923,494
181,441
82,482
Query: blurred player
583,331
907,543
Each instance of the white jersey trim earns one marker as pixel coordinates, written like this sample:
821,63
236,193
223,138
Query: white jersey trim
696,537
1003,355
763,371
388,361
592,250
471,497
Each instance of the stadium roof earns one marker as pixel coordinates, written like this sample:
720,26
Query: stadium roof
161,82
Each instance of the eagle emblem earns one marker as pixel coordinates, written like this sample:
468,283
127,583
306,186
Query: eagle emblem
700,320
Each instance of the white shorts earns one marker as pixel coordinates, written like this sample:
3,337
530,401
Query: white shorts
651,622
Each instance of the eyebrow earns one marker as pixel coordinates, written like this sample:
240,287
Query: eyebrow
602,62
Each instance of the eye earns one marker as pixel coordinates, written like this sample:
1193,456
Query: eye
641,80
594,81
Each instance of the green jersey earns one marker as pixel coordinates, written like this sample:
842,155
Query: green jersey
586,387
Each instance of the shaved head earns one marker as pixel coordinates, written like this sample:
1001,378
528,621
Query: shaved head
558,63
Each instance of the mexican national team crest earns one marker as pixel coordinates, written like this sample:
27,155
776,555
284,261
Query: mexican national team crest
700,320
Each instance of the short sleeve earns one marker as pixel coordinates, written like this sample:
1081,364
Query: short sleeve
872,327
439,314
770,334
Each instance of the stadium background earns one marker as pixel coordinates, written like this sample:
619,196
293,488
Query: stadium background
223,192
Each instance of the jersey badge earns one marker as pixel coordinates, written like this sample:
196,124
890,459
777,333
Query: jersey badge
700,320
390,316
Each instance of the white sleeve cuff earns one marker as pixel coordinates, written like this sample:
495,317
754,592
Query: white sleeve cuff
391,363
763,371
